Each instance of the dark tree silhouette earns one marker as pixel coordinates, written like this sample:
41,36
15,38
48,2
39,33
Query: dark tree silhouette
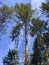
11,58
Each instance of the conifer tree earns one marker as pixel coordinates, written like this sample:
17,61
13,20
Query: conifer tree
23,14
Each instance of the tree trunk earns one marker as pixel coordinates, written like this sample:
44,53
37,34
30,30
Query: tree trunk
26,45
16,50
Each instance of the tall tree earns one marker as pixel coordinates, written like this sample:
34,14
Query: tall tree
45,11
23,14
38,28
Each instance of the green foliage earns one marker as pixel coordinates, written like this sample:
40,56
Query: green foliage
46,50
5,15
40,53
46,39
11,58
36,57
23,12
38,26
16,30
5,12
45,8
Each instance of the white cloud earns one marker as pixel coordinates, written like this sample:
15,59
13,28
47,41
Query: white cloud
36,3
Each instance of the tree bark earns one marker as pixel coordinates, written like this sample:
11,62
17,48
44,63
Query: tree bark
26,45
16,50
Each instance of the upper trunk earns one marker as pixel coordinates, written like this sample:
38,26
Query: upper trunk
16,51
26,45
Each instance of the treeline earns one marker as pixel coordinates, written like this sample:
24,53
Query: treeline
23,16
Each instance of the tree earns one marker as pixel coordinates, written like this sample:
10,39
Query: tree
46,49
11,58
36,57
40,53
45,11
38,28
5,15
23,14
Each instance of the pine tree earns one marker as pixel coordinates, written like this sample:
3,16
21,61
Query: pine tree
45,11
23,15
38,28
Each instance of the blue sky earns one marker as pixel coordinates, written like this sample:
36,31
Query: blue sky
6,42
12,3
